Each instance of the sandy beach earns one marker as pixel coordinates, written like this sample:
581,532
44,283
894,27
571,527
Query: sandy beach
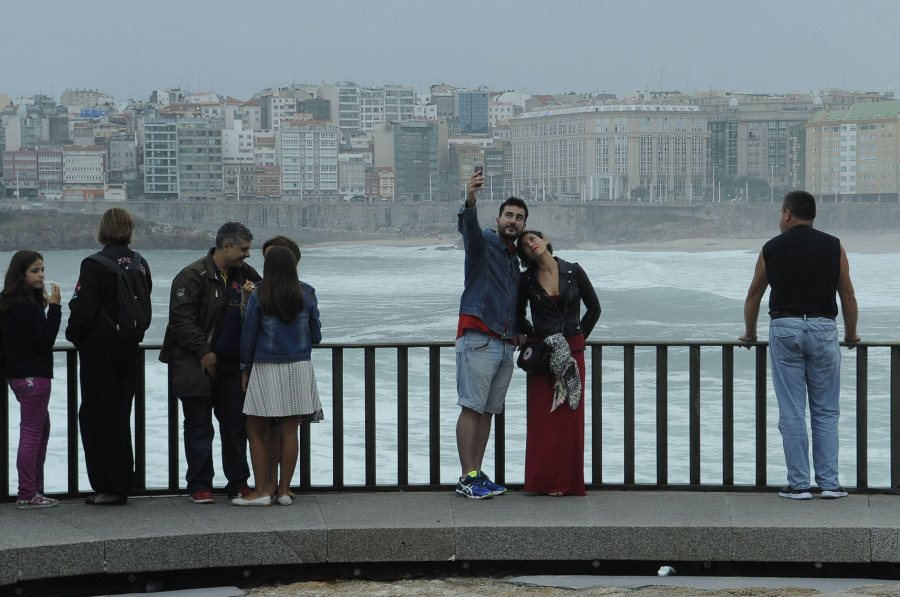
853,243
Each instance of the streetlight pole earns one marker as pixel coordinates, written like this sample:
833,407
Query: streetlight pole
772,185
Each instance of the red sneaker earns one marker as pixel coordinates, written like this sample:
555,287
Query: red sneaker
241,493
202,496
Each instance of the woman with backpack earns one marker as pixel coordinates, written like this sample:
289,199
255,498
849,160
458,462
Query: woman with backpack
108,354
28,335
554,290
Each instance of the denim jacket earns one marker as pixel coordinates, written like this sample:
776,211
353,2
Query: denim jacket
270,340
492,274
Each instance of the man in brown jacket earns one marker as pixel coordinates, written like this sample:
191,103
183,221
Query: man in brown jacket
202,346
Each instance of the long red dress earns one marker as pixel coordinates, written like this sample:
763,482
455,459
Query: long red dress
554,443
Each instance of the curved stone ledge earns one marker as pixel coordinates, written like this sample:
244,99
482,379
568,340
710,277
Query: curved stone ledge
172,533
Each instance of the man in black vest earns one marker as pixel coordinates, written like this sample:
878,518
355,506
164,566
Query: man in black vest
805,268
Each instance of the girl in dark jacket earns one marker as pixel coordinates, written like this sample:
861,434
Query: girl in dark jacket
27,338
554,290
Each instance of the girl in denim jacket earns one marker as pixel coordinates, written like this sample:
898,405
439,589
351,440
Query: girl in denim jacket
280,327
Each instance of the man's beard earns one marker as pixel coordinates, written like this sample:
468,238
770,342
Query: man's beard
506,236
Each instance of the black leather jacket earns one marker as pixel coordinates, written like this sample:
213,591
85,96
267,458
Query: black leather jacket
548,318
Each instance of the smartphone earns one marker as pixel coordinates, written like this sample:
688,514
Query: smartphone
479,169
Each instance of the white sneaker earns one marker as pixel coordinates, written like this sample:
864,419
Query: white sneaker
260,501
833,494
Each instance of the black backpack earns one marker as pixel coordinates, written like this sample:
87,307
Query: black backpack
133,295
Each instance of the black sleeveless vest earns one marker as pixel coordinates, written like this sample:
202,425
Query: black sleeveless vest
802,267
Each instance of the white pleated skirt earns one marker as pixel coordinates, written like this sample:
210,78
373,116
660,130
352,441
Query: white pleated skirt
283,390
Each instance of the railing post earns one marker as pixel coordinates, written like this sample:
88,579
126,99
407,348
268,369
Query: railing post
140,421
72,418
173,436
402,415
434,415
862,415
369,373
728,415
596,415
761,415
662,415
4,432
500,447
694,413
305,459
895,417
337,396
628,428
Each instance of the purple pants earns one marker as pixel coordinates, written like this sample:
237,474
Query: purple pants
33,394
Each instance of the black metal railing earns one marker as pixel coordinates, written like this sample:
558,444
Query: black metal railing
709,382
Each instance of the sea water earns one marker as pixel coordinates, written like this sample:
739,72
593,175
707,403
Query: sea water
411,294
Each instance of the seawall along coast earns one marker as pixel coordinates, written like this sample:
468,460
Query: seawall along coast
568,223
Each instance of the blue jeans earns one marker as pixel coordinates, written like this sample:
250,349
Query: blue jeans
226,400
484,366
806,360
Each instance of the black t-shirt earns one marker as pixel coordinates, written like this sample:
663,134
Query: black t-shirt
802,267
228,345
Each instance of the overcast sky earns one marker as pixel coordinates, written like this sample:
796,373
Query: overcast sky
237,47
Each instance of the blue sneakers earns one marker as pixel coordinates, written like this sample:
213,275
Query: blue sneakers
477,486
493,487
471,486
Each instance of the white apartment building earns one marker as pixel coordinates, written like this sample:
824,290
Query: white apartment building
392,103
122,155
500,111
160,158
237,144
611,153
479,140
84,173
351,174
346,103
854,154
276,108
307,152
212,110
247,113
200,172
426,111
264,153
84,98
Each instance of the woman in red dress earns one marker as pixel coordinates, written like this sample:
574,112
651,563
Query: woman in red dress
554,289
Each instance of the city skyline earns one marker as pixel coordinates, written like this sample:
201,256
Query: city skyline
616,48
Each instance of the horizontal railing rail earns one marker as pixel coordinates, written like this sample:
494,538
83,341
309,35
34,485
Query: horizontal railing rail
626,381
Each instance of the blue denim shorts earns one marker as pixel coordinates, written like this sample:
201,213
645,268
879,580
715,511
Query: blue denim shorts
484,366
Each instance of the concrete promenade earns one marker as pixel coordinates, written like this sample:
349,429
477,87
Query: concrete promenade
171,533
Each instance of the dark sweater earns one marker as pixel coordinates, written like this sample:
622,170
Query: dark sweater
28,336
95,291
